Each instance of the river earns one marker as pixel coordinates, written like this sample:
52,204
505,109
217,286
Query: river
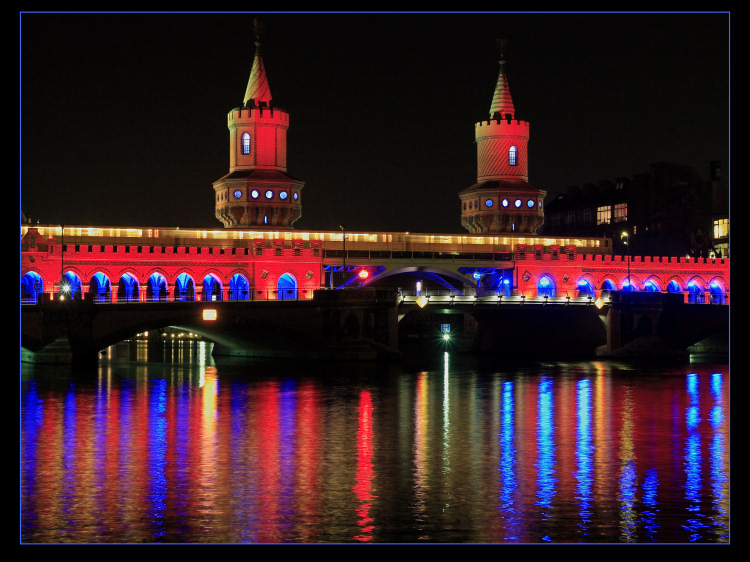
172,447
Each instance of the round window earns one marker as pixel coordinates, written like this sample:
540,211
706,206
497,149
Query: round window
530,203
269,194
505,202
488,203
283,195
254,194
237,194
517,203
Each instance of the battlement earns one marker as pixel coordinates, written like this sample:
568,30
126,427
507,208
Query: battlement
267,115
501,127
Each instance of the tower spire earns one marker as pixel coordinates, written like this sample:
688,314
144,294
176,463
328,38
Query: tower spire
257,92
502,103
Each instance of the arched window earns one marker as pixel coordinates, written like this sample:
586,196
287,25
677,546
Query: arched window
127,289
512,151
184,288
246,143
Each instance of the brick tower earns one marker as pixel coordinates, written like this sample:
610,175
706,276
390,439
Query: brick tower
502,200
257,192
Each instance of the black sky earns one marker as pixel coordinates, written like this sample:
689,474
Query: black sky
123,116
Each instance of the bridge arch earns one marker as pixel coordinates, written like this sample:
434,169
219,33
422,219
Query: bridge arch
652,285
608,285
434,274
674,286
696,290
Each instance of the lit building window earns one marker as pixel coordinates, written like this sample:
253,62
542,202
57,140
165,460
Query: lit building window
621,212
488,203
604,215
721,228
530,203
517,203
269,194
254,194
283,195
512,156
505,202
246,143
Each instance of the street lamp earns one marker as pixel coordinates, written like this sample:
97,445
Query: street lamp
625,238
343,231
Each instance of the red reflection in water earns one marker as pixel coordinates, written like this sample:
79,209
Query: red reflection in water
363,483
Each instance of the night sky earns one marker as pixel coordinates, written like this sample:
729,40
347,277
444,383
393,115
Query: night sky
123,116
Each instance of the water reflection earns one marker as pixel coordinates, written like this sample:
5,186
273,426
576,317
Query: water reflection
169,452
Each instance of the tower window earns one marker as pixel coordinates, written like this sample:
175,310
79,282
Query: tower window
246,143
512,155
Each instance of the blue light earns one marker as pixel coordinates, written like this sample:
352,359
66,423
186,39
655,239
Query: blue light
476,275
543,282
488,203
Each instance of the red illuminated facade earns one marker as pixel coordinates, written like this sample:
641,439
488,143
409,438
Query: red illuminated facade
259,255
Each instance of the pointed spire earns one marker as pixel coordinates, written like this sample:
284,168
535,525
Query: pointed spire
502,103
257,86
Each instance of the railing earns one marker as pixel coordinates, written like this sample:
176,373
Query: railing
446,297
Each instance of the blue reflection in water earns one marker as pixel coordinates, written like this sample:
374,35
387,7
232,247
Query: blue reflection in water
31,420
158,454
650,504
717,456
69,450
545,448
287,445
584,451
507,462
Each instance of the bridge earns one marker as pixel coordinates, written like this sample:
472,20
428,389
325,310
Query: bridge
375,324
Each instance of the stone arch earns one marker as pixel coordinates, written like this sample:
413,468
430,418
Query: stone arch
157,288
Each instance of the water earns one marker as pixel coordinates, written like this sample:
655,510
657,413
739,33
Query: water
443,450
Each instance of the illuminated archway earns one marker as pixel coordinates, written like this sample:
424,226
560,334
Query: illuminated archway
287,287
184,288
72,286
156,290
100,288
585,289
128,289
545,287
212,290
32,285
239,288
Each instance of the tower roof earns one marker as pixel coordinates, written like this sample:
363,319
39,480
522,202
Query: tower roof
502,103
257,86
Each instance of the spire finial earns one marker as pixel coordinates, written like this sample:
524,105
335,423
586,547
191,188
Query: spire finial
502,103
257,28
502,45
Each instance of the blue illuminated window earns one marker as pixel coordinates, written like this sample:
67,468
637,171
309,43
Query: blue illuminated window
254,194
530,203
283,195
269,194
505,202
246,143
488,203
512,156
517,203
237,194
296,195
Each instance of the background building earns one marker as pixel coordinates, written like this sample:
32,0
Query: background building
668,211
